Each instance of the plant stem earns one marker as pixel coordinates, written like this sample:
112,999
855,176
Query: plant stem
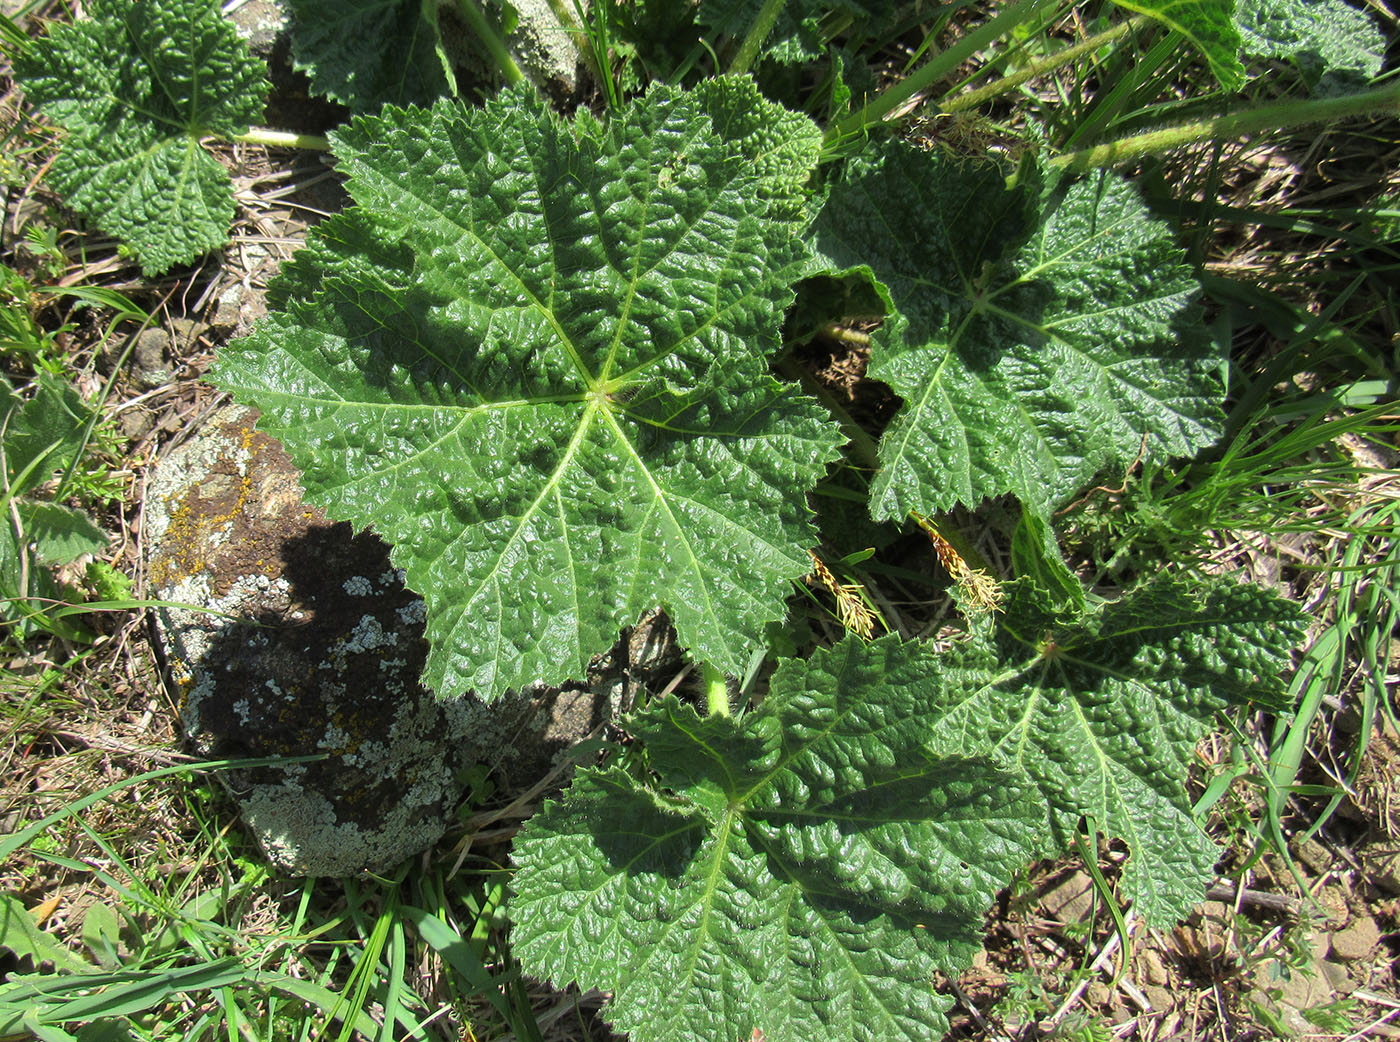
283,139
862,446
491,40
933,70
968,99
716,690
1283,115
596,50
758,32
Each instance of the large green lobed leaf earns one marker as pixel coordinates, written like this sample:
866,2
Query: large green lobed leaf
136,85
535,360
1104,713
1334,44
804,871
366,53
1035,340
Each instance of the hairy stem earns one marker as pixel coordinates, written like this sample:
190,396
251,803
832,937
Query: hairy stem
971,98
933,70
491,40
1283,115
758,32
716,690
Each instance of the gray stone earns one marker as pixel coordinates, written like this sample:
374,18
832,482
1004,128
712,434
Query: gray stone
238,308
148,365
260,22
1357,941
1154,967
544,48
1071,899
301,639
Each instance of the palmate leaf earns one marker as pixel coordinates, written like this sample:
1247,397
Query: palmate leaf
1208,25
803,871
535,360
366,53
137,84
1330,41
1034,341
1104,713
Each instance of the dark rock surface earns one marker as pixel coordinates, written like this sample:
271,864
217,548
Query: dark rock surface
308,643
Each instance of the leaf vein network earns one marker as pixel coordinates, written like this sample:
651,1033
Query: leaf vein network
659,497
469,233
488,580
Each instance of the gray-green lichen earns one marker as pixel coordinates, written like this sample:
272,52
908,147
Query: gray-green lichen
299,639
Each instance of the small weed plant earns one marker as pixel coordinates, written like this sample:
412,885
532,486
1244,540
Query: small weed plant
548,359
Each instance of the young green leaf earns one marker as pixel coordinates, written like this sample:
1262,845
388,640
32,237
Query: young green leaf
39,435
366,53
803,871
1035,554
21,936
137,84
58,534
1104,713
535,359
1329,40
1209,27
1034,340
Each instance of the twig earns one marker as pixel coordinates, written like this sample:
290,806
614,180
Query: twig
1243,896
1366,1031
981,1021
116,745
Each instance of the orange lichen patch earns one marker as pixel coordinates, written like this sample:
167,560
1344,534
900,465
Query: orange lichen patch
232,520
183,678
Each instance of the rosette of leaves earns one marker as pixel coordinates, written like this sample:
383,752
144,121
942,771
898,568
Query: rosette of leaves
535,359
1035,337
799,873
137,84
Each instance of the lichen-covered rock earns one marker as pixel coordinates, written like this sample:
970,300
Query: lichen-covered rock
261,22
301,639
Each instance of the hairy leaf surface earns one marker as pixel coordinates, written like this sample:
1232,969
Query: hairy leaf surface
1104,713
1034,341
136,85
366,53
1329,40
1209,27
535,359
804,871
